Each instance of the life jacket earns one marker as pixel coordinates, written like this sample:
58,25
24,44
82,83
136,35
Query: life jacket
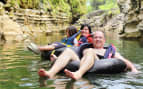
110,50
89,38
69,41
83,39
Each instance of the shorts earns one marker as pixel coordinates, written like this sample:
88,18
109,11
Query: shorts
58,45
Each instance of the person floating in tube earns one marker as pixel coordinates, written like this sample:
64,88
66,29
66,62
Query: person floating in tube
90,55
73,38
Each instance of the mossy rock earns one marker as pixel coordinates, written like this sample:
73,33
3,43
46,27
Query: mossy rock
131,35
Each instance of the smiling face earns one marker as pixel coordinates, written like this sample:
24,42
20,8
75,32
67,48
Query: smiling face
98,39
85,31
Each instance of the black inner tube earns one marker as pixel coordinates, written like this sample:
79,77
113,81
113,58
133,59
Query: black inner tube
45,55
103,66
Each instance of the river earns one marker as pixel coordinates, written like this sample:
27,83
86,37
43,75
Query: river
18,67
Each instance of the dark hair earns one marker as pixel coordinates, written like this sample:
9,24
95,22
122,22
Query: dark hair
71,30
86,25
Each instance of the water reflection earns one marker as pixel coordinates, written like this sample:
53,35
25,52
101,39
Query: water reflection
66,83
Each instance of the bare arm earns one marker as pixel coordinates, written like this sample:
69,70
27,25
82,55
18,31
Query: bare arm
128,63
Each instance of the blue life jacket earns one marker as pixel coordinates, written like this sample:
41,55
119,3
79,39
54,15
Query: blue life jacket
69,40
82,39
110,52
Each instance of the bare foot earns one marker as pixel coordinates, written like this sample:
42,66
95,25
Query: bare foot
73,75
135,71
44,73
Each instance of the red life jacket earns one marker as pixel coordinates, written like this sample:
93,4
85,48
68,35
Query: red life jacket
89,38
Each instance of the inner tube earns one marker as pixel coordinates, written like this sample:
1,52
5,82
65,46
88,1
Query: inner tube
45,55
103,66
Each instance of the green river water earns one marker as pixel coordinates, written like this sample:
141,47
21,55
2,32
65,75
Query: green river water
18,67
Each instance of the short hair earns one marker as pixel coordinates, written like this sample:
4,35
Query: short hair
86,25
71,30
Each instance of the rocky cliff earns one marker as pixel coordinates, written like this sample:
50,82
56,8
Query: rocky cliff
22,19
128,23
21,24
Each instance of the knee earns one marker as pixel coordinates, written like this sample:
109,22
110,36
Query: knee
87,51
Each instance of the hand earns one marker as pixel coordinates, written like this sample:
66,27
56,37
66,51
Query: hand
135,70
53,57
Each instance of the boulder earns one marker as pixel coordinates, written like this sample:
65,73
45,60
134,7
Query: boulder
11,30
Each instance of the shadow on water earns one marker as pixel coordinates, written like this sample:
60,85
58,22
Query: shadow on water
141,42
18,68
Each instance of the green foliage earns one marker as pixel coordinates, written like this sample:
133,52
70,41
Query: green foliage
24,3
89,9
72,8
102,4
99,1
78,6
54,5
109,5
96,3
13,3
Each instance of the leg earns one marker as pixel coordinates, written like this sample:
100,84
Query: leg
37,49
47,47
60,63
52,46
86,63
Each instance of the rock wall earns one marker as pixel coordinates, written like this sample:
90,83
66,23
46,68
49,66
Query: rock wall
133,17
9,29
102,19
21,24
128,23
42,20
